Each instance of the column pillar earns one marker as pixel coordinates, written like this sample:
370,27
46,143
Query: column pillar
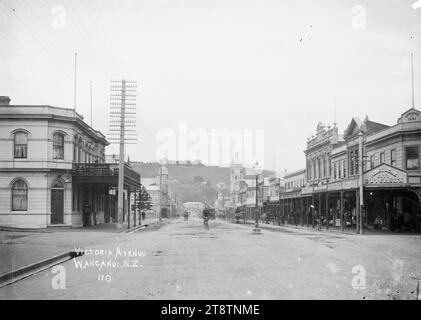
128,208
281,211
341,211
320,209
327,211
357,211
301,211
134,205
312,210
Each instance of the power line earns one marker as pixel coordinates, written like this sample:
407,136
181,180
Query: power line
17,20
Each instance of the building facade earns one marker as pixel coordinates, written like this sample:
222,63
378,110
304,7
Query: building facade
291,200
194,209
53,170
369,177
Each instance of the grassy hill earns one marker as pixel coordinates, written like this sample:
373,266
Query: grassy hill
191,178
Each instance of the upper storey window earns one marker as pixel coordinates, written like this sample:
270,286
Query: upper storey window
20,140
58,146
412,158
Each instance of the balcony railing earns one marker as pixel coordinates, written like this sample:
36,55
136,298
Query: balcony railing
102,170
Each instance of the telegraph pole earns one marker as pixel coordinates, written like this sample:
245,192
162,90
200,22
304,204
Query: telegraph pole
160,193
120,206
122,131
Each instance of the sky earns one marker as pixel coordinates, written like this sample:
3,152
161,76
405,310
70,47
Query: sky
275,66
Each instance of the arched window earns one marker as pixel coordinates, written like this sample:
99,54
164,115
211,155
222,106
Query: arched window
58,146
20,140
19,196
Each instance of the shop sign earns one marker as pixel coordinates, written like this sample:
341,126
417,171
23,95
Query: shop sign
320,187
385,174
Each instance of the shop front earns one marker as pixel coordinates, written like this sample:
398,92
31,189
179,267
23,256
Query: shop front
95,192
391,202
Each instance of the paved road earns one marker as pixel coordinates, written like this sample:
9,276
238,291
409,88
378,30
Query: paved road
182,261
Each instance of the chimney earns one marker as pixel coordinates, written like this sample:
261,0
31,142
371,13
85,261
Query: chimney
4,100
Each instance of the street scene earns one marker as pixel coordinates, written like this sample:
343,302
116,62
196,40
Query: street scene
226,262
210,150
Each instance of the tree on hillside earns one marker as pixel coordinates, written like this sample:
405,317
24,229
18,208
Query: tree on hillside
144,201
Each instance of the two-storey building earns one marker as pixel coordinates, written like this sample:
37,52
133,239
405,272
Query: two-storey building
52,169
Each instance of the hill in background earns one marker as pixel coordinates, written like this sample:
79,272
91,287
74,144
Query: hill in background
196,182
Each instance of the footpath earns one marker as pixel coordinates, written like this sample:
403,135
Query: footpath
304,229
26,251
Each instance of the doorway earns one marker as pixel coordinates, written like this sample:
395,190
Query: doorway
57,203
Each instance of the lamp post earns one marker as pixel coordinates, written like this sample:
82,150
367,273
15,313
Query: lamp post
361,182
359,168
258,171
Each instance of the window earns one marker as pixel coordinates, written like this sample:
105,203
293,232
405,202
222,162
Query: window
75,149
21,145
343,169
334,171
382,158
372,161
19,196
412,157
340,170
80,153
58,146
393,158
319,171
329,165
314,175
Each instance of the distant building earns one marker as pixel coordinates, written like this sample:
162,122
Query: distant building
156,181
290,198
194,208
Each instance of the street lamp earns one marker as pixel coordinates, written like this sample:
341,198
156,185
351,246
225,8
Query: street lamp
257,171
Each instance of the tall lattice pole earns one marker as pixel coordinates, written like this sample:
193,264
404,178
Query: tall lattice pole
120,206
122,131
160,193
